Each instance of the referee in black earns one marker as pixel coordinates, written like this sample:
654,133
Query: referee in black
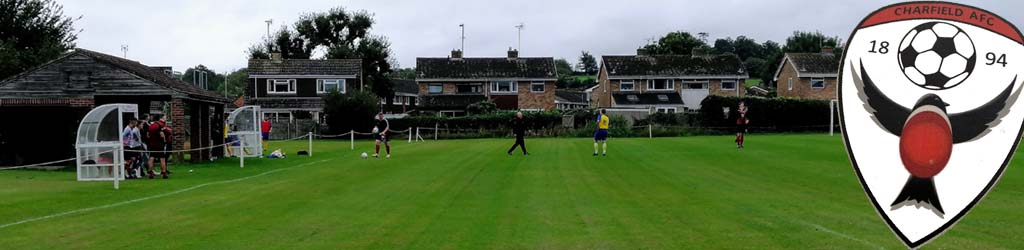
518,128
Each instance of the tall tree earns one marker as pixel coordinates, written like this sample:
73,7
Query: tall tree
724,45
745,48
201,73
809,42
566,76
235,83
33,32
588,64
403,73
677,43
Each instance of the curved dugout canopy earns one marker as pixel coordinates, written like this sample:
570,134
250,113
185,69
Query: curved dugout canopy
244,132
99,150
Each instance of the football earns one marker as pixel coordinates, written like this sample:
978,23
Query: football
376,130
937,55
364,155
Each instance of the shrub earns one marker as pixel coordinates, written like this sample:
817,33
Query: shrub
771,114
351,111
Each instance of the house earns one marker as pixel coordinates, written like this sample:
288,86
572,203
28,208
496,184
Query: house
405,98
448,85
289,89
666,83
55,96
570,99
808,75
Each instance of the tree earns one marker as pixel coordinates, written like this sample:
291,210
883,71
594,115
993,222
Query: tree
724,45
33,32
677,43
403,73
588,64
772,55
213,80
745,48
236,82
565,73
353,110
809,42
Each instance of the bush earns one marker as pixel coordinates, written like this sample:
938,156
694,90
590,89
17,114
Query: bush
767,114
351,111
484,107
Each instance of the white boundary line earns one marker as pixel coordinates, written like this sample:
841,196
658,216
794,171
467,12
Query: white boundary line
83,210
832,232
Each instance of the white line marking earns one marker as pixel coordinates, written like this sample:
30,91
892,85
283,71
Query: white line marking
830,231
83,210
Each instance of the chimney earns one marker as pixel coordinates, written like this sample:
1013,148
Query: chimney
641,52
456,54
275,56
826,50
512,54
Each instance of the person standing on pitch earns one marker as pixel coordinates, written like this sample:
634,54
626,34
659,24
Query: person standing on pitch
601,134
265,133
381,135
519,129
741,124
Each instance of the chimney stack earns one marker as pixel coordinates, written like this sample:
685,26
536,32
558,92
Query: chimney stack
275,57
456,54
826,50
512,54
641,52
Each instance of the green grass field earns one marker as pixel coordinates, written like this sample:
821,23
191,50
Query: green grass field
781,192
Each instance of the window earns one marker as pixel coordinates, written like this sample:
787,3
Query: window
537,87
330,85
789,84
626,86
817,83
278,116
666,110
281,86
474,88
504,87
660,84
728,84
696,84
435,89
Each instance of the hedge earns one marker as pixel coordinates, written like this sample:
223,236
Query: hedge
774,114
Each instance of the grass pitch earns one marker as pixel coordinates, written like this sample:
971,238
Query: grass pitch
781,192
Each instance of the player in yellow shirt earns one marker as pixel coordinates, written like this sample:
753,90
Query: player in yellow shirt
601,135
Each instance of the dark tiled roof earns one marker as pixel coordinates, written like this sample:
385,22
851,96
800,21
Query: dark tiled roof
156,76
571,95
454,102
814,63
672,98
287,103
674,65
478,68
405,86
305,67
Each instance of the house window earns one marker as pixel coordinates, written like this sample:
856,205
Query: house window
666,110
695,84
660,84
789,84
504,87
278,116
330,85
537,87
469,88
281,86
626,86
817,83
435,89
728,84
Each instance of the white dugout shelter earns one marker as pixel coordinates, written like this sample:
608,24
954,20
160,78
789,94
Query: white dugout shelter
99,151
244,127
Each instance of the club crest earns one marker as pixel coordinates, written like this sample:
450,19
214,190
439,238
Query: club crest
930,108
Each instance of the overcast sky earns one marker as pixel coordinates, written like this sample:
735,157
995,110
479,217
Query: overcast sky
186,33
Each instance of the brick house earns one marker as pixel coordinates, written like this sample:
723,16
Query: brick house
566,99
448,85
289,89
808,75
666,83
55,96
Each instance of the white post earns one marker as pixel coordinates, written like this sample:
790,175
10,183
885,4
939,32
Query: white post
650,131
352,138
242,155
310,135
831,119
118,172
436,127
410,136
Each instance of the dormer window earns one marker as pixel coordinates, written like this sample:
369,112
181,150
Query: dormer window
281,86
626,86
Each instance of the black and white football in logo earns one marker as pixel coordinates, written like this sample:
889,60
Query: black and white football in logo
929,102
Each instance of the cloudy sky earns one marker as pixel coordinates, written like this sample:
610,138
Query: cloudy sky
184,33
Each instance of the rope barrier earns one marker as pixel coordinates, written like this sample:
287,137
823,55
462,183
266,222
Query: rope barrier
180,150
53,162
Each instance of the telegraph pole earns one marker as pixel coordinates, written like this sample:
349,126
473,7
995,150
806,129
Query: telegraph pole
463,47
